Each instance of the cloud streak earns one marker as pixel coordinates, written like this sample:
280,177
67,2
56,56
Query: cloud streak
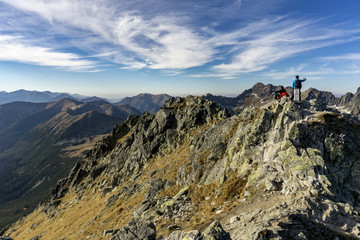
276,39
348,57
161,37
14,49
157,43
161,43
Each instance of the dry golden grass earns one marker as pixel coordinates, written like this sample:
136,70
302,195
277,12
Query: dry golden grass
232,131
170,163
214,198
203,156
78,220
122,140
80,149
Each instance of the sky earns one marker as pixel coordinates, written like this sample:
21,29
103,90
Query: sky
118,48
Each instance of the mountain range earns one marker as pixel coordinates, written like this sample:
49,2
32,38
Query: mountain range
39,142
144,101
208,167
35,96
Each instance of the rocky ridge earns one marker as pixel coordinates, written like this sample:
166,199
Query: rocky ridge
350,103
261,94
192,171
253,97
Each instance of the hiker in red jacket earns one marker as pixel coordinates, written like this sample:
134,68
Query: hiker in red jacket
280,92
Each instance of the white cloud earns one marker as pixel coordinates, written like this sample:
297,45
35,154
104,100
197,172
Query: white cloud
320,72
15,49
161,44
157,42
273,40
123,32
348,57
214,75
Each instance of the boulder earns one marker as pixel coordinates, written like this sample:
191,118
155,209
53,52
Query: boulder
136,229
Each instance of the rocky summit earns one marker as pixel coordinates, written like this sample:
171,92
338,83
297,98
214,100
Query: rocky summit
192,171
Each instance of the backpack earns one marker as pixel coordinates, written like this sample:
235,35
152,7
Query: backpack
298,83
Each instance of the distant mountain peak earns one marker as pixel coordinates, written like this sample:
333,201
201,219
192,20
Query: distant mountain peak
33,96
358,91
146,102
94,99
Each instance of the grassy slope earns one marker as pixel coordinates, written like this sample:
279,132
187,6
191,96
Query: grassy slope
36,167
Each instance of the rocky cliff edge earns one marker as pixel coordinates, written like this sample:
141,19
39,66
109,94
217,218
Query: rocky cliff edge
190,171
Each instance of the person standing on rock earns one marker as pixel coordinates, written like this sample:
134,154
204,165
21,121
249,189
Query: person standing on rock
297,87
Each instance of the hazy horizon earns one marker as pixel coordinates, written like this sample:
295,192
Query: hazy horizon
120,97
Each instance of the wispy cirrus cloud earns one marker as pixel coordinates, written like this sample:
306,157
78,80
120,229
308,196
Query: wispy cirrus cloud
162,44
272,40
158,42
321,72
164,36
15,49
348,57
255,47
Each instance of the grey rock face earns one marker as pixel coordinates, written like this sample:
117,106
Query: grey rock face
136,229
321,96
179,235
346,98
154,187
254,97
5,238
350,104
214,232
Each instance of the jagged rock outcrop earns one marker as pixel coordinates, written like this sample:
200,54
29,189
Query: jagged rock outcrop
136,229
280,171
261,94
346,98
322,96
5,238
253,97
350,104
214,232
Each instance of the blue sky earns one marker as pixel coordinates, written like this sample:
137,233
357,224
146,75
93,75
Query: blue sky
117,48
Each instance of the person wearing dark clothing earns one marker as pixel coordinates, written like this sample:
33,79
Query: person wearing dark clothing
280,92
296,86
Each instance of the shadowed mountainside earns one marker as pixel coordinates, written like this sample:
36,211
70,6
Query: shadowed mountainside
39,143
